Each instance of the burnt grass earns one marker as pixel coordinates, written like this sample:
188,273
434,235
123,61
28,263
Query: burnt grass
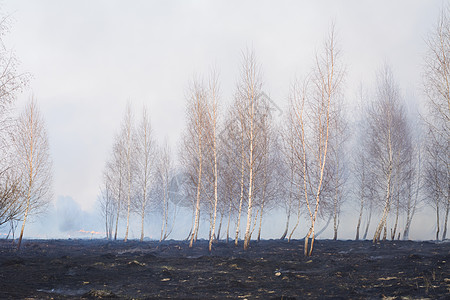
270,269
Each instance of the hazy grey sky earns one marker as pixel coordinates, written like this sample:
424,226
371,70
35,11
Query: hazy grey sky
88,58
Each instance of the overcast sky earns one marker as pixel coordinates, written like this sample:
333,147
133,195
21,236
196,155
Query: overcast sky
88,58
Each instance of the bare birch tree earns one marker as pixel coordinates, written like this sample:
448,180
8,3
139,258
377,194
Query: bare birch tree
114,174
211,139
145,169
361,175
233,168
248,91
193,147
107,206
32,149
436,177
437,88
235,145
164,174
127,133
12,83
117,174
389,134
312,103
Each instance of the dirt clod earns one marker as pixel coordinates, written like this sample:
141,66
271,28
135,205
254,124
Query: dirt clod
99,294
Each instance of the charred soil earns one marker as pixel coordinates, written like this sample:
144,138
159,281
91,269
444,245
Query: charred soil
272,269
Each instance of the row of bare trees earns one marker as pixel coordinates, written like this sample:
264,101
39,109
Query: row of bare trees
136,178
231,165
241,162
25,164
314,138
255,163
401,162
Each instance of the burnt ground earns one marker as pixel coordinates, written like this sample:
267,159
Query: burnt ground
66,269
